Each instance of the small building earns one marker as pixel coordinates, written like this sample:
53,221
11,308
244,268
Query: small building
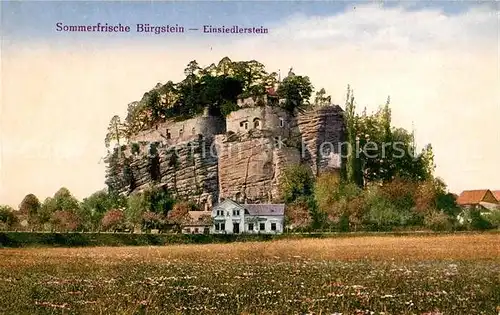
199,222
496,194
482,201
230,217
477,199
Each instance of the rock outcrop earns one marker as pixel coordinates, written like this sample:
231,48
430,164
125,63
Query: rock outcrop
322,131
244,163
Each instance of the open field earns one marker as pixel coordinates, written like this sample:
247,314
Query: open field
448,274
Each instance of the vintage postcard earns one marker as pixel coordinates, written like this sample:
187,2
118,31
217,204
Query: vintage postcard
250,157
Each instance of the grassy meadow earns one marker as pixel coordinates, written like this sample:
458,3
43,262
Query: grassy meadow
443,274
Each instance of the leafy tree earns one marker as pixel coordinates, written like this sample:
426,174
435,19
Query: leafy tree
30,205
151,220
64,200
179,214
153,106
7,217
98,203
327,190
382,214
61,201
353,166
321,98
297,181
116,131
48,207
159,200
113,220
447,202
296,90
224,66
298,215
438,221
382,151
64,220
339,201
137,206
192,70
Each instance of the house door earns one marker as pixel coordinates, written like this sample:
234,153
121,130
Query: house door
236,228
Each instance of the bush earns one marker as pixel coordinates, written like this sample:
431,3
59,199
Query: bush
113,220
64,220
298,215
297,182
7,217
382,214
438,221
493,218
474,220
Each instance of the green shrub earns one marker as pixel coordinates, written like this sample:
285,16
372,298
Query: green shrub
474,220
493,218
438,221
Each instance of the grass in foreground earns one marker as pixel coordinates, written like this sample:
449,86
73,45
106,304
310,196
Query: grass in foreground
365,275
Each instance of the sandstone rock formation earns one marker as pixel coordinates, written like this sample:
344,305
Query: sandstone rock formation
242,160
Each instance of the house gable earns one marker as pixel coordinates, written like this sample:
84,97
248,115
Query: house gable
227,205
489,197
496,194
474,197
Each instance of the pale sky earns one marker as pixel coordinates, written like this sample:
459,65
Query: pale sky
439,64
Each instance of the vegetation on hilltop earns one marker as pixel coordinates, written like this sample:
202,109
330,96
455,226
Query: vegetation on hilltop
215,89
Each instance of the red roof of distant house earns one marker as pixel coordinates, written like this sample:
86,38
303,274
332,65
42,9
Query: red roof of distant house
496,193
471,197
271,91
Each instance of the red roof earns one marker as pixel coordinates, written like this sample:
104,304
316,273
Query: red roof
471,197
271,91
496,193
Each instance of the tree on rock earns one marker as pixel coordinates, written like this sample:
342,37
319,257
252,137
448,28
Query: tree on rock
116,131
296,90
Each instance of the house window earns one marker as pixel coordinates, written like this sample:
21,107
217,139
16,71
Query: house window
223,226
250,226
282,122
236,212
273,226
262,226
256,123
168,134
216,226
244,124
196,230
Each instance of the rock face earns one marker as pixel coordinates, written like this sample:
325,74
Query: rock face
250,166
245,163
323,132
